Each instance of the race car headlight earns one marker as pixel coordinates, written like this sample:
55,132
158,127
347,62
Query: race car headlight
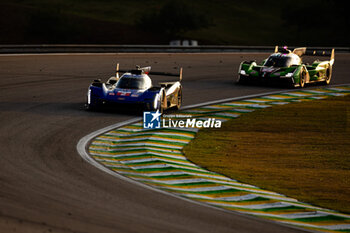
243,72
289,75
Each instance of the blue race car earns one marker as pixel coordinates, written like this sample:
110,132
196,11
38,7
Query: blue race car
135,88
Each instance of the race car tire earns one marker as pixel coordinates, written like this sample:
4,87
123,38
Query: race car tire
179,99
93,104
161,106
302,78
90,107
151,107
242,80
328,75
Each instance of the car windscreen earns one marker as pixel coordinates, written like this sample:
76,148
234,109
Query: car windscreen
278,61
131,83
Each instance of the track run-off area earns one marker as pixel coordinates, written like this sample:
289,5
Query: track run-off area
45,186
155,158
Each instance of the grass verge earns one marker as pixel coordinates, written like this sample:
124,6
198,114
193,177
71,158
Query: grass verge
301,150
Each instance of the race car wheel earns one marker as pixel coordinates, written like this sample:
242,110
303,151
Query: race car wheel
90,107
179,99
242,80
302,79
87,107
328,75
162,104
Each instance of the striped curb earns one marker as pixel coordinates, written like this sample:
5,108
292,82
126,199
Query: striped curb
154,157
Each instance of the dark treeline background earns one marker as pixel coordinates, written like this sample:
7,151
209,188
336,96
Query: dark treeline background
223,22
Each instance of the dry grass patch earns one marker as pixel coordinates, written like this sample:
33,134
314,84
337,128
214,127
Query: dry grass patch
301,150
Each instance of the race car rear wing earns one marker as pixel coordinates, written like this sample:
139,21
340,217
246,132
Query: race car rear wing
320,52
147,70
168,74
304,51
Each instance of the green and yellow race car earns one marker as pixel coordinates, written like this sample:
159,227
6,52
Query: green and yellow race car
286,66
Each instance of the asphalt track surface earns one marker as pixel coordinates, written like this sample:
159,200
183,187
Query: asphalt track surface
45,186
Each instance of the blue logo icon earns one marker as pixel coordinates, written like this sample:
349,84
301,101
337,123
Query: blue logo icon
151,120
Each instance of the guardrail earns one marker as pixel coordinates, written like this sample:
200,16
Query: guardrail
71,48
